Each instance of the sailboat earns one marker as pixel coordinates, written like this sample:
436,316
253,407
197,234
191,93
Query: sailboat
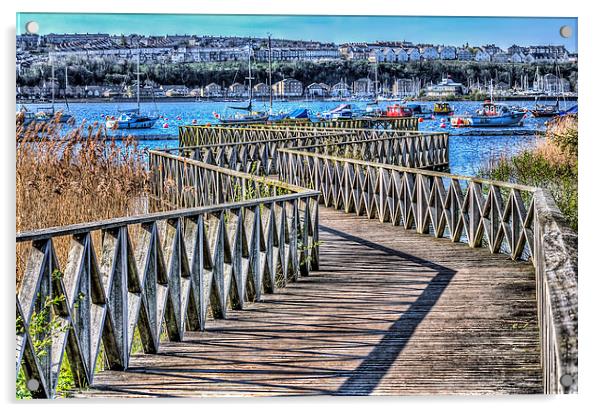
46,114
251,116
546,110
131,118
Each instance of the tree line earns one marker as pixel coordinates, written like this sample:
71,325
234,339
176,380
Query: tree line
84,73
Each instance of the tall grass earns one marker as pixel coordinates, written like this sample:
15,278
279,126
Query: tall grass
552,164
74,176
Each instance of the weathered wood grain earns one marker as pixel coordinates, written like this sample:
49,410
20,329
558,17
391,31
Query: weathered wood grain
390,312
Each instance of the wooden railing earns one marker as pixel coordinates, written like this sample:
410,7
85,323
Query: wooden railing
419,150
428,150
383,123
215,134
158,273
259,156
402,123
520,221
555,261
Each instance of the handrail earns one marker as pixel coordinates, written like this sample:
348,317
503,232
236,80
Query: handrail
428,172
435,203
200,135
107,224
555,261
158,272
408,149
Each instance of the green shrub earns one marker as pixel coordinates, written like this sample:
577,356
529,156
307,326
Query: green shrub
551,165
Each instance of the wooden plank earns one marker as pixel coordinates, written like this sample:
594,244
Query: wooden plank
390,312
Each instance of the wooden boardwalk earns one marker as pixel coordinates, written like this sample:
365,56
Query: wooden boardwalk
390,312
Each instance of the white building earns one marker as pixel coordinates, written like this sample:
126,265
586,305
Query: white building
340,89
401,55
413,54
464,54
447,53
261,90
317,90
389,55
238,90
429,53
482,56
446,87
177,90
501,57
212,90
288,88
405,88
528,58
516,58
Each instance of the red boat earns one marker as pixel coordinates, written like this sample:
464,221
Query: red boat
397,110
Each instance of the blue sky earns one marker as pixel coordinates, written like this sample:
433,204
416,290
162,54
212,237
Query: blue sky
503,31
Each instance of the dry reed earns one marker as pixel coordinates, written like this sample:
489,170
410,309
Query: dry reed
73,176
551,164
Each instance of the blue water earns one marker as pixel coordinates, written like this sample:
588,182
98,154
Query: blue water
467,153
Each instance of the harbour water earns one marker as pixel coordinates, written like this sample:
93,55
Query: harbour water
467,152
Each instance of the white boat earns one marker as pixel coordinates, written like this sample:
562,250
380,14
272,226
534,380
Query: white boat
132,119
341,112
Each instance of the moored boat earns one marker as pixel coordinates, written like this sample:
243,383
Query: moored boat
341,112
398,110
419,109
373,110
296,115
131,118
443,108
46,114
25,117
490,115
546,110
251,116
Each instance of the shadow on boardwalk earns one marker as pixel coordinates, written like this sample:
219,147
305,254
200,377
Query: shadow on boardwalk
389,312
365,378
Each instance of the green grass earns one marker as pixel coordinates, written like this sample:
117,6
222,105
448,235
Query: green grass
551,165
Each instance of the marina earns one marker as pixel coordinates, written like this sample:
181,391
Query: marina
470,149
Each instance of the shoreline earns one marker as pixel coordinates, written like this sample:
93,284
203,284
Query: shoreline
103,100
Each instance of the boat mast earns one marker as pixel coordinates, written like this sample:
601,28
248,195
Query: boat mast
52,80
270,67
376,79
66,84
250,77
138,81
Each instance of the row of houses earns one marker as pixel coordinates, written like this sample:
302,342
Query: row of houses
188,49
283,88
194,54
68,40
487,53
